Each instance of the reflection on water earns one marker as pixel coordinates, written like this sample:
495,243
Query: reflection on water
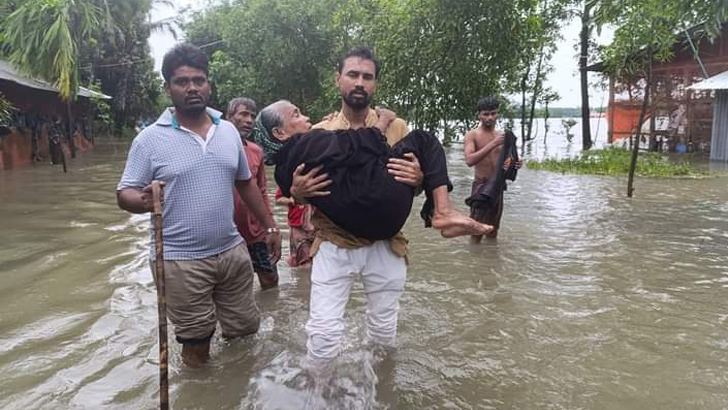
587,300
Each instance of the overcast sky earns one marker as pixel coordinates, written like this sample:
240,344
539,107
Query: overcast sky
564,80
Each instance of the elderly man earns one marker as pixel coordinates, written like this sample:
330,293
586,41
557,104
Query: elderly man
241,112
200,158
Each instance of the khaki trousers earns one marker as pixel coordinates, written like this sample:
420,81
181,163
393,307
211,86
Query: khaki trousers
204,291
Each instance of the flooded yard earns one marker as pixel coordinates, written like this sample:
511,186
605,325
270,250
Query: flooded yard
587,300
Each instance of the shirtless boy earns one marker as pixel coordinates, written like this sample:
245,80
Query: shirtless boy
483,146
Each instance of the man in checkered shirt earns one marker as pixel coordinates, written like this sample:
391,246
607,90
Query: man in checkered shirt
199,158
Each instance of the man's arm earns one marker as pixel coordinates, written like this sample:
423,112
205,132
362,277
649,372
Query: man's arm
262,185
473,156
408,170
134,192
136,200
253,199
250,193
309,184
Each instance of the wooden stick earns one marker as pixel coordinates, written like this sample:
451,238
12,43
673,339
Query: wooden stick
157,196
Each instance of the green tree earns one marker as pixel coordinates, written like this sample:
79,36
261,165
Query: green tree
438,56
75,42
268,50
7,7
120,58
547,97
441,56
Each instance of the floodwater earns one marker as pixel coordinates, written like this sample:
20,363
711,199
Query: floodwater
588,300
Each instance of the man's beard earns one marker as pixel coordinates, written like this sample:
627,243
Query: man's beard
192,110
357,99
489,124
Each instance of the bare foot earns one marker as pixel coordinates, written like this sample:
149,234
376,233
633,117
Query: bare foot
453,223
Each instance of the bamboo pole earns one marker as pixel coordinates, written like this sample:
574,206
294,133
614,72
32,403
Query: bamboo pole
157,196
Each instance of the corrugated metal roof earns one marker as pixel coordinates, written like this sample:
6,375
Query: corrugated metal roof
716,82
9,73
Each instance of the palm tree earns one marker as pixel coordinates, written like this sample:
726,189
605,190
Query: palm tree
44,39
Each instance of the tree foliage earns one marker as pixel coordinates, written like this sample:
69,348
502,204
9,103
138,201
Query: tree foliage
438,56
616,161
441,56
120,59
45,38
653,24
87,42
275,49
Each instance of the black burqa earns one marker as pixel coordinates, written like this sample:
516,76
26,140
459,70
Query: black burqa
491,193
365,199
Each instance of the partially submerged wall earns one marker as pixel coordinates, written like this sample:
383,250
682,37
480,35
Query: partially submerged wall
18,148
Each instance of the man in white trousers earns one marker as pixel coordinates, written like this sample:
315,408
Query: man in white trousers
340,256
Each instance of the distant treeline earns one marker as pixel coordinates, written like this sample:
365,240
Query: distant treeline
563,112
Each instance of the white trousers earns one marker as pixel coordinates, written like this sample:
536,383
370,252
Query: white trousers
332,277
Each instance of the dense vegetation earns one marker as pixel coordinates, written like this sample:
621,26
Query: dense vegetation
616,161
439,56
99,44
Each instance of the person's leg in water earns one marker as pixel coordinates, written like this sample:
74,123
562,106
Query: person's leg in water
492,217
384,276
476,239
189,287
195,354
488,213
266,271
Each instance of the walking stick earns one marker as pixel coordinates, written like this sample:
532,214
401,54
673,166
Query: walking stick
157,196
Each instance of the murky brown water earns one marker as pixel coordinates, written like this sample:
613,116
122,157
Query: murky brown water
587,301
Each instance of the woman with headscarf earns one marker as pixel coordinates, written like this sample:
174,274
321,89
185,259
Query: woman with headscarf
365,199
284,120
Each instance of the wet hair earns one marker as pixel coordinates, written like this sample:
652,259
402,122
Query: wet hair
237,102
271,117
183,54
488,103
365,53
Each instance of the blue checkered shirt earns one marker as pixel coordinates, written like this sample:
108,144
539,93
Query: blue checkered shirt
199,175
